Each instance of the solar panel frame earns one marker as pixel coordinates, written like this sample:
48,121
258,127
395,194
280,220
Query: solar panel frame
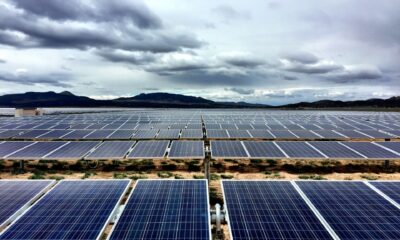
110,235
43,198
18,210
178,155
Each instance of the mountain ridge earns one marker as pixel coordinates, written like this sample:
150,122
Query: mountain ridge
170,100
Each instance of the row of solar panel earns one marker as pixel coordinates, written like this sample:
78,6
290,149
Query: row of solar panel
196,134
304,150
98,126
81,209
102,134
312,209
15,150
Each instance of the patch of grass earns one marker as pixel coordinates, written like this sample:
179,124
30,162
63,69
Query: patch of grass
214,198
119,175
214,177
165,174
370,177
87,175
312,177
198,176
226,176
178,176
57,178
138,176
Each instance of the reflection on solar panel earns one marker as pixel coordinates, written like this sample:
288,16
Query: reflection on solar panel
145,134
17,195
77,209
37,150
187,149
263,149
32,134
99,134
192,133
77,134
10,133
227,149
238,134
165,209
7,148
282,134
55,134
72,150
149,149
299,150
269,210
390,188
353,210
111,150
261,134
121,134
394,146
375,133
335,150
169,133
217,133
370,150
351,134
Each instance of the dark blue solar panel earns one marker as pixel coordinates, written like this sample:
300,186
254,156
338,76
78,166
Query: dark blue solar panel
282,134
165,209
16,195
394,146
10,133
390,188
353,210
77,134
227,149
370,150
149,149
72,210
261,134
121,134
36,150
335,150
299,150
258,149
269,210
72,150
111,150
187,149
217,133
7,148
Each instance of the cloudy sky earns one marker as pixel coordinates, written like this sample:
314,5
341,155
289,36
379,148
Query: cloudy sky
270,52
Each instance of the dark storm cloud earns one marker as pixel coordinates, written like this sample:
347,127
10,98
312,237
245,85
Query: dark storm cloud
92,24
93,10
51,79
243,61
242,91
313,68
356,74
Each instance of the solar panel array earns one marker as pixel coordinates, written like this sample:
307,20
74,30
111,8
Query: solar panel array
16,195
77,209
165,209
267,209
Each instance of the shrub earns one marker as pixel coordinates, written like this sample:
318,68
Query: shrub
370,177
120,175
164,174
136,177
57,178
198,176
178,176
214,176
86,175
226,176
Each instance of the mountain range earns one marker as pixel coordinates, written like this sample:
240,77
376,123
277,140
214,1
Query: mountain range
168,100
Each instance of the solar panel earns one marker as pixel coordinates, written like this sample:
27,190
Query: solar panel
393,132
329,134
351,134
370,150
375,133
299,150
265,134
73,209
10,133
217,133
145,134
7,148
258,149
17,195
77,134
269,210
169,134
121,134
149,149
335,150
353,210
394,146
32,134
99,134
37,150
238,134
111,150
285,134
165,209
187,149
212,126
54,134
72,150
192,133
389,188
305,134
228,149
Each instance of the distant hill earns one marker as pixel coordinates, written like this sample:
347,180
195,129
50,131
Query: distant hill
168,100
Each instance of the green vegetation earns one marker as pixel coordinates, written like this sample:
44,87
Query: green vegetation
138,176
57,178
198,176
214,177
370,177
178,176
119,175
312,177
165,174
226,176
